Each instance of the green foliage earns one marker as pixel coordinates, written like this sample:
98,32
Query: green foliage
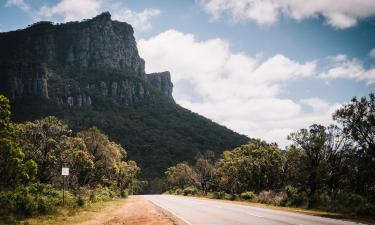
156,131
80,201
218,195
181,176
248,195
14,169
254,166
190,191
294,197
31,200
102,194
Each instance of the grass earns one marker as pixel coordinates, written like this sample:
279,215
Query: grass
312,212
75,216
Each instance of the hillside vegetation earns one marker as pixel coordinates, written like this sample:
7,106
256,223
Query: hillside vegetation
330,168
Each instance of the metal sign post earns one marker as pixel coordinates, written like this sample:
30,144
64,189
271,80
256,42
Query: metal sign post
64,172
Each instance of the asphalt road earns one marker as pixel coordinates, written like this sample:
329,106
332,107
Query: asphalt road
207,212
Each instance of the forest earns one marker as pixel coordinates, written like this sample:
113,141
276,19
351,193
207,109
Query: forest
32,155
330,168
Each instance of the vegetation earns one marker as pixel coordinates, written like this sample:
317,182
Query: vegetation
157,132
32,155
328,168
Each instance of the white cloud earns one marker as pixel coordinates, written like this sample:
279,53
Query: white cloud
339,14
73,10
233,88
343,67
140,20
18,3
372,53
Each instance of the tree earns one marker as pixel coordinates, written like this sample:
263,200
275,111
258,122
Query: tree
206,171
338,147
313,142
252,167
358,121
181,176
106,156
14,169
295,170
79,160
42,141
126,173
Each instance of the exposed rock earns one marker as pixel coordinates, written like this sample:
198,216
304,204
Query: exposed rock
34,63
161,81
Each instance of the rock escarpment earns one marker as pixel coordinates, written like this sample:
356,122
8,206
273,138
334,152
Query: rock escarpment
48,61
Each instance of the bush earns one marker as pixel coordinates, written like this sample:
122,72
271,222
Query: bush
249,195
178,191
101,194
30,200
80,201
218,195
294,198
124,193
190,191
270,197
232,197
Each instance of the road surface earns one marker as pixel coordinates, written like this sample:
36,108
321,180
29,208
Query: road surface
207,212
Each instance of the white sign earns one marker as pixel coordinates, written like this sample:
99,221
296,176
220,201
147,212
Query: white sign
65,171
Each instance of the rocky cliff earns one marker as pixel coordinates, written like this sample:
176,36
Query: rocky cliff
35,59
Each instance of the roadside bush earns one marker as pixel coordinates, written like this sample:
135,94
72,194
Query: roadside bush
349,199
190,191
31,200
270,197
80,201
178,191
101,194
249,195
218,195
124,193
232,197
294,198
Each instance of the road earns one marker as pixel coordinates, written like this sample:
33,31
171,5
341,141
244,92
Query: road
207,212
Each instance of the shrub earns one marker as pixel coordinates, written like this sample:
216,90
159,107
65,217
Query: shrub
270,197
249,195
179,191
190,191
80,201
102,194
30,200
218,195
232,197
294,198
124,193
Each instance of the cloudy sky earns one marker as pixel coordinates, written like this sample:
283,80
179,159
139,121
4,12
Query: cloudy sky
263,68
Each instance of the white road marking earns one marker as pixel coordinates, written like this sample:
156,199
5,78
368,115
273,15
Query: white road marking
255,215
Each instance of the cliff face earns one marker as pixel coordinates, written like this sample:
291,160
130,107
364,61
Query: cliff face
36,58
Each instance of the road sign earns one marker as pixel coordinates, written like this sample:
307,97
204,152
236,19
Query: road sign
65,171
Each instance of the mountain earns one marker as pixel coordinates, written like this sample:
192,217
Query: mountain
89,73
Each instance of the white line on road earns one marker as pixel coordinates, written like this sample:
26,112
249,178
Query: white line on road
255,215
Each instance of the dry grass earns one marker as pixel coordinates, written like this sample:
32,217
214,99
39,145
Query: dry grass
76,216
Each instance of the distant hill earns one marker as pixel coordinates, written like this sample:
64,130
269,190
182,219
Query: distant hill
89,73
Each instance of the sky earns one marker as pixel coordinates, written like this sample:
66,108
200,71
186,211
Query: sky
263,68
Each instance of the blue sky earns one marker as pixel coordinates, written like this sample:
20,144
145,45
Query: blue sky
261,67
